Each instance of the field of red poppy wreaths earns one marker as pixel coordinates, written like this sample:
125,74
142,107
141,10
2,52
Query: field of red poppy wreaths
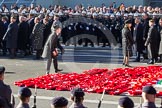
115,82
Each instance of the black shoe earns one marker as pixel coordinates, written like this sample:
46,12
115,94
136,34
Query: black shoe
136,60
47,72
150,62
123,64
58,70
12,57
4,53
127,65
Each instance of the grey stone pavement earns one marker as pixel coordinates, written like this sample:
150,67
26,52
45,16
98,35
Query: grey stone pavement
74,60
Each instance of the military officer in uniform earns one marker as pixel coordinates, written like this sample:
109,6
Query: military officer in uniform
5,90
125,102
148,95
59,102
77,96
24,94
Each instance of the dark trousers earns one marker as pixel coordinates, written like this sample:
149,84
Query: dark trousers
152,52
55,63
38,53
4,47
12,52
160,57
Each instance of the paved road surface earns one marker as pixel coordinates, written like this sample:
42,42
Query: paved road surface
74,60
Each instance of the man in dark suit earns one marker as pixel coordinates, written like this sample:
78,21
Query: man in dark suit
138,35
1,32
5,24
46,30
5,90
50,46
22,34
152,41
31,26
11,37
145,28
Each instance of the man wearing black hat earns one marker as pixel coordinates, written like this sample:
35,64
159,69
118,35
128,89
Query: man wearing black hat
148,95
125,102
24,94
59,102
77,96
50,49
5,90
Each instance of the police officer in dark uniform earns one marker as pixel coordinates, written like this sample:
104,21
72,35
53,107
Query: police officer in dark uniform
112,25
82,27
59,102
106,23
77,96
70,29
118,28
24,94
5,90
100,35
89,30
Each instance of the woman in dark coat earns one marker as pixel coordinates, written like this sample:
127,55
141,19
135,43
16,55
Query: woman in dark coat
127,42
37,37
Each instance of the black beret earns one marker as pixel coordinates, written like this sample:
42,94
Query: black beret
77,92
2,69
149,89
59,102
126,102
128,21
2,102
24,91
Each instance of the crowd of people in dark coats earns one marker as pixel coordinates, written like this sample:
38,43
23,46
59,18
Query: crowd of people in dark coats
26,29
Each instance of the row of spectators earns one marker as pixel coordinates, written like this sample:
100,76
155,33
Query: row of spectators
112,8
77,97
